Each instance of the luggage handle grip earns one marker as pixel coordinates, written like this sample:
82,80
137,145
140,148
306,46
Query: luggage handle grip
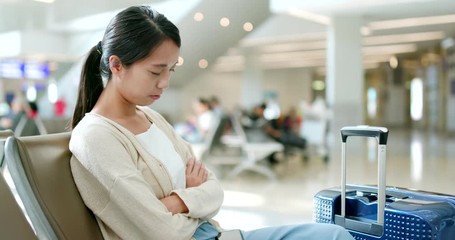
365,131
381,134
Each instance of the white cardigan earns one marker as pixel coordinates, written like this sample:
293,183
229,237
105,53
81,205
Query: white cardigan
122,183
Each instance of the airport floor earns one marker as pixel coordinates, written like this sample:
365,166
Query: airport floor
422,160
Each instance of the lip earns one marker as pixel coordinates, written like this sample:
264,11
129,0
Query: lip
155,97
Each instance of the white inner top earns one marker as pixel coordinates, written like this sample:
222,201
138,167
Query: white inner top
159,145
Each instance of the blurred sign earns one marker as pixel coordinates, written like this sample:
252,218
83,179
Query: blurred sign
17,69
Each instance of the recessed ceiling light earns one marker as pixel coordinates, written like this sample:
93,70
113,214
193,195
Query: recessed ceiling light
248,27
180,61
203,63
198,17
224,22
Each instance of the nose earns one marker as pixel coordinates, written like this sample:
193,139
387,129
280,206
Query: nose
163,83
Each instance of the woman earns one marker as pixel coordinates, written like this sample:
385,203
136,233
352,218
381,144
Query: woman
132,170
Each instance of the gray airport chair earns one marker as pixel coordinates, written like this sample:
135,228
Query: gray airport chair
13,223
40,168
236,150
254,152
4,134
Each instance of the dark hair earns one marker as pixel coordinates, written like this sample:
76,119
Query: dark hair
131,35
205,102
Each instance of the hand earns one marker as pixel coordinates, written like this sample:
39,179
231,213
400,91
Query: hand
195,173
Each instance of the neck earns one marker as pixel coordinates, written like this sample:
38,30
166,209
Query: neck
113,106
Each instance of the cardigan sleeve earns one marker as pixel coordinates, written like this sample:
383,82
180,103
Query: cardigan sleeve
113,188
205,200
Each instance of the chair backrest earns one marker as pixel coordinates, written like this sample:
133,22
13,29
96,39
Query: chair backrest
13,224
40,168
4,134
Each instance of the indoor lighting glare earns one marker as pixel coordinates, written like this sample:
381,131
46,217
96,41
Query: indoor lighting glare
290,47
371,65
198,17
372,102
412,22
416,99
31,93
393,62
242,199
365,31
389,49
259,41
248,27
180,61
317,18
315,54
416,160
52,91
224,22
45,1
403,38
203,63
318,85
448,42
376,59
294,64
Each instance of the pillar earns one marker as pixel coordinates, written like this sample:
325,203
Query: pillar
345,81
252,82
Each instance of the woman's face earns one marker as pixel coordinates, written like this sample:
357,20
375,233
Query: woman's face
143,82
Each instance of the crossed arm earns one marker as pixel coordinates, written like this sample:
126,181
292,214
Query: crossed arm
195,174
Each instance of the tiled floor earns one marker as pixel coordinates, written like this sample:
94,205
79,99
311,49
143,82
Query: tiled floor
415,159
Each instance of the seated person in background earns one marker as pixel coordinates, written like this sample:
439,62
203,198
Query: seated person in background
216,107
137,176
274,129
205,117
292,121
24,119
196,127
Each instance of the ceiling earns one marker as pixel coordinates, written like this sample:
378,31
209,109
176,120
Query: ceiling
280,27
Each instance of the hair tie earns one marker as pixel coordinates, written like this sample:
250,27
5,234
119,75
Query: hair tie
98,48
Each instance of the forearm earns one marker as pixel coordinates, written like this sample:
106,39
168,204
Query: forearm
203,201
174,204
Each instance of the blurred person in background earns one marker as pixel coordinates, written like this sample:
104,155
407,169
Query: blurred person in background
205,118
216,107
23,118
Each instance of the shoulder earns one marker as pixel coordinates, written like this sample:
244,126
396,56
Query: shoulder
90,125
93,131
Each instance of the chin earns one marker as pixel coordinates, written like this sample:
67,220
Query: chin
148,103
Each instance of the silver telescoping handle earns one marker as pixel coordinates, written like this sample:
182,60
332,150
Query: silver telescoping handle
381,134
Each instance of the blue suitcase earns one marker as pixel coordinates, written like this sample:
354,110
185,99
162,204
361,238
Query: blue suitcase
377,212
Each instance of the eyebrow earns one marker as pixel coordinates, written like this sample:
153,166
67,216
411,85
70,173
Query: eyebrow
162,65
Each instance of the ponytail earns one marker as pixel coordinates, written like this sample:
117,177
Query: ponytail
90,86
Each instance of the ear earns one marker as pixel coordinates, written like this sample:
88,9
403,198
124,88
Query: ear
115,65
